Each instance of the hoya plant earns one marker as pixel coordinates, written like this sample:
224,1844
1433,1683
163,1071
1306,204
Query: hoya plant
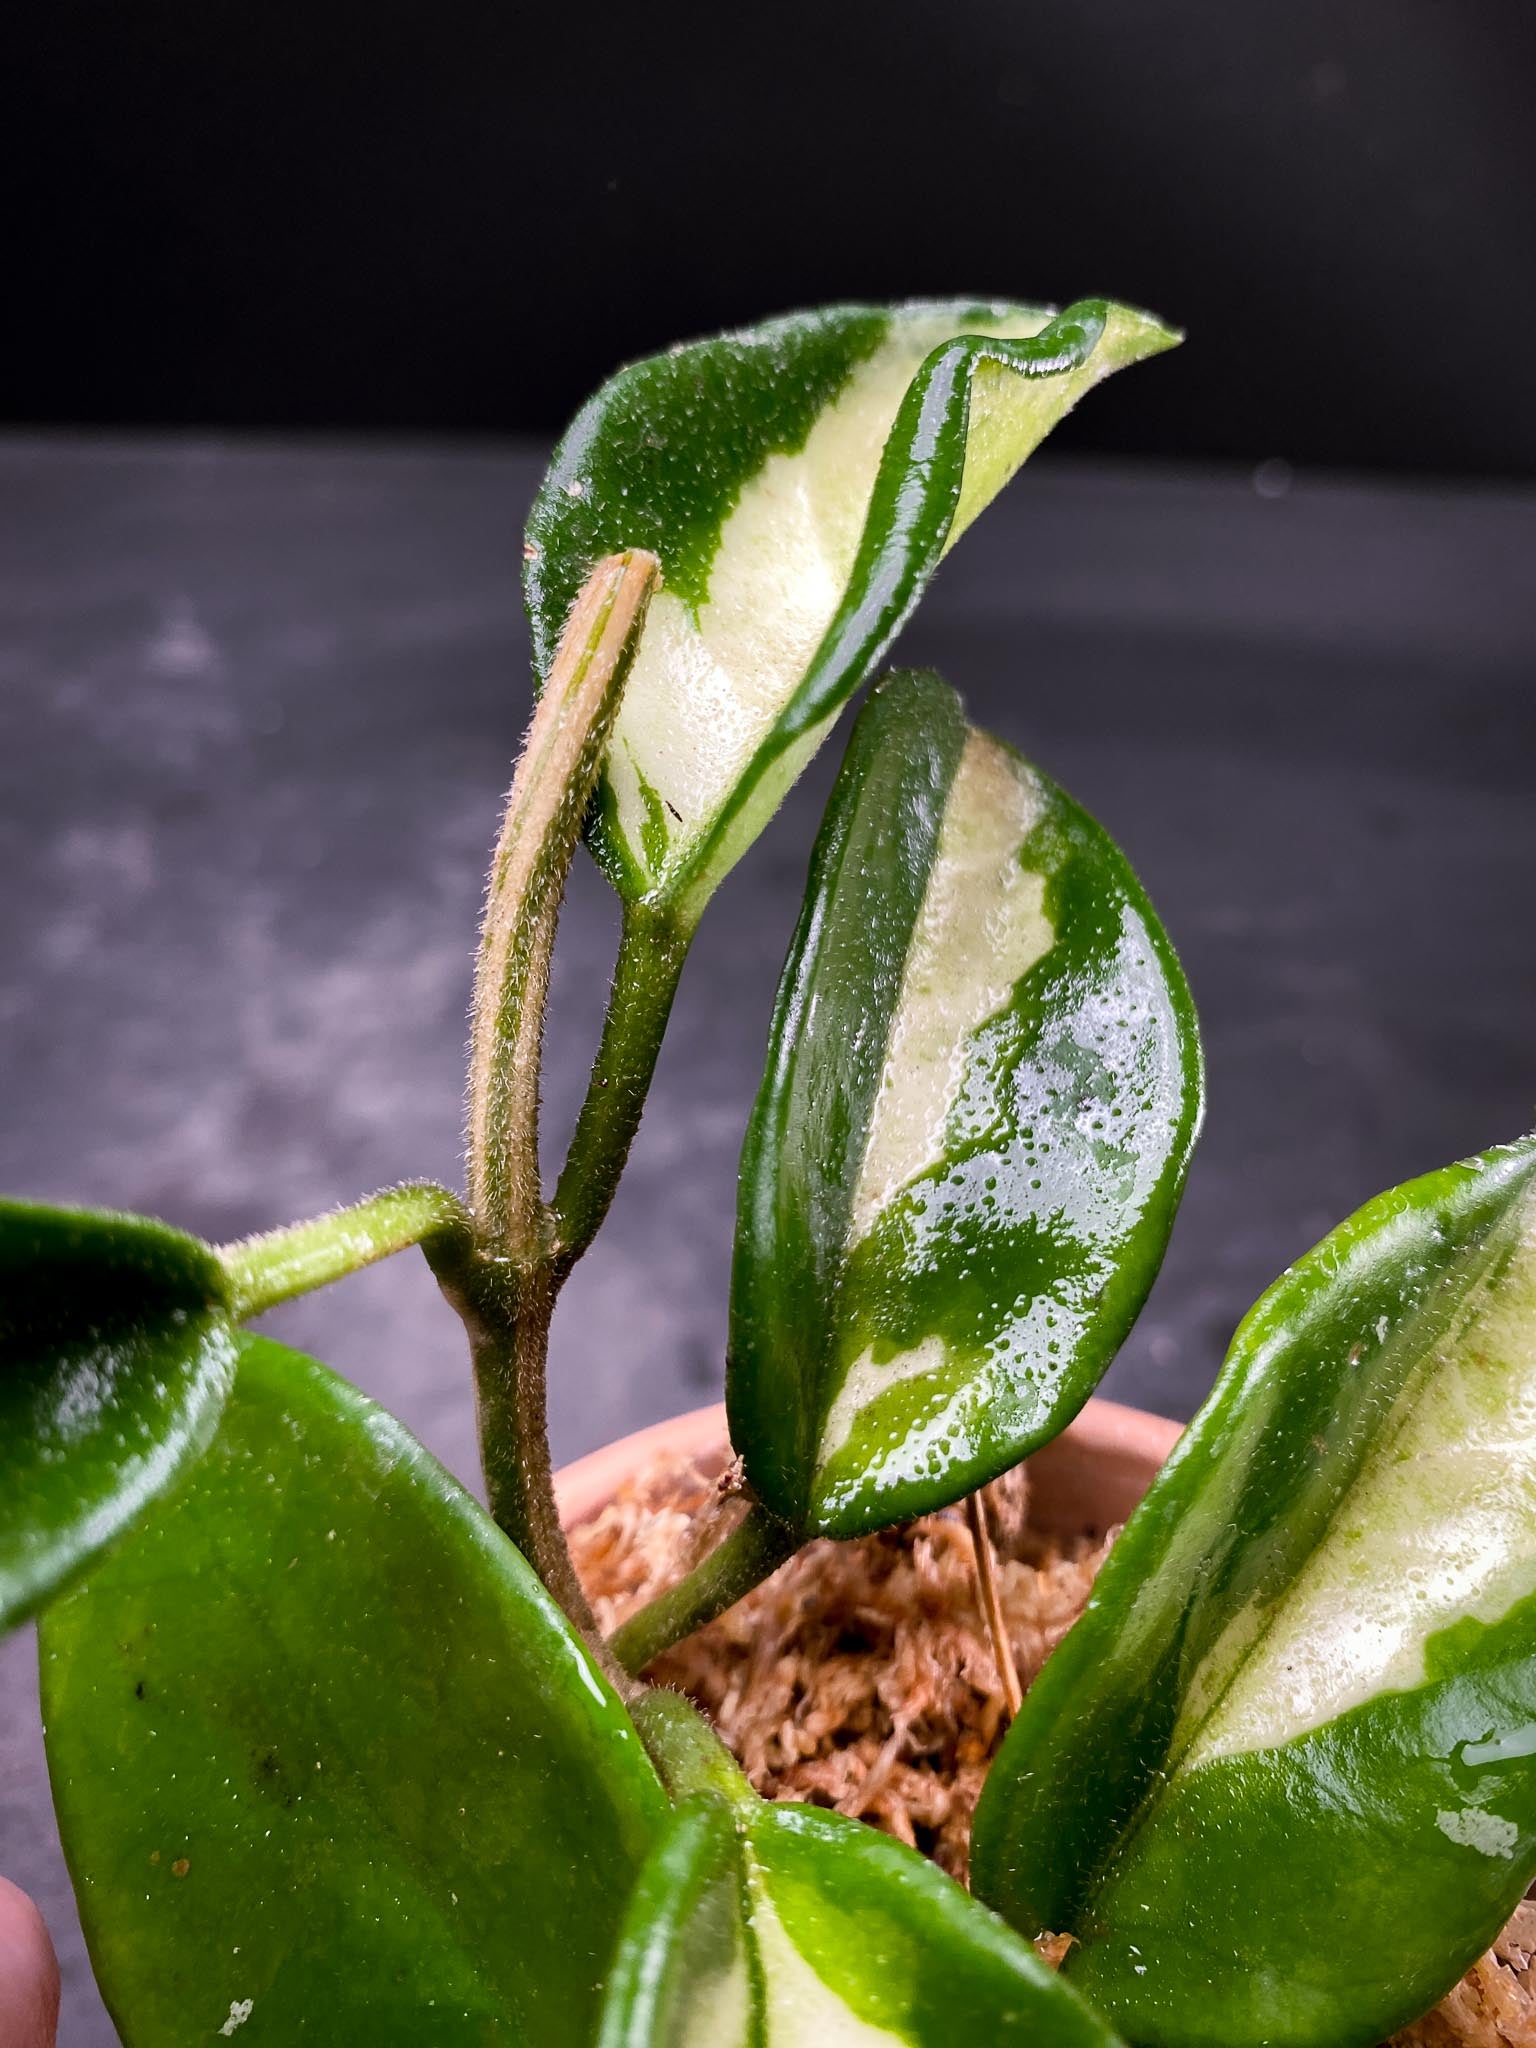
340,1755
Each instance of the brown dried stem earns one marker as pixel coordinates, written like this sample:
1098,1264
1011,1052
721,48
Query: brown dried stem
991,1601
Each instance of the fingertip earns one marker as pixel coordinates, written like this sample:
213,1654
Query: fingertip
29,1974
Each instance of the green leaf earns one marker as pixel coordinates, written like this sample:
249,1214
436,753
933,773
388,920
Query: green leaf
982,1088
1281,1778
799,482
681,1978
116,1354
329,1763
783,1926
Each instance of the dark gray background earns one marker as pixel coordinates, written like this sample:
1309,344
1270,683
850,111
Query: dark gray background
257,709
459,214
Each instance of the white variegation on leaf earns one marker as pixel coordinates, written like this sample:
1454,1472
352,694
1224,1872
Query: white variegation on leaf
710,680
798,2006
981,928
1011,415
780,1927
982,1087
1438,1527
1311,1655
716,2001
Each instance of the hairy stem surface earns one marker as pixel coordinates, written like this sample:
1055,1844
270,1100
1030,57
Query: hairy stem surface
548,800
280,1264
504,1284
652,949
686,1750
507,1315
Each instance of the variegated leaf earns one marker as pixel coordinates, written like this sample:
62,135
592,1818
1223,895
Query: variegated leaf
799,482
982,1089
787,1927
1280,1780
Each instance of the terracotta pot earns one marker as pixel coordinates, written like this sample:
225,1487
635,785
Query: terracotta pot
1093,1474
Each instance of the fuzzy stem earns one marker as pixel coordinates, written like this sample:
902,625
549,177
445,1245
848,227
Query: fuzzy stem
992,1604
753,1551
686,1750
652,949
548,800
279,1264
507,1315
504,1283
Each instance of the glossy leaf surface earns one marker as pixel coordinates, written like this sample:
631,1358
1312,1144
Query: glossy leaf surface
799,482
1280,1780
329,1764
982,1088
116,1354
793,1928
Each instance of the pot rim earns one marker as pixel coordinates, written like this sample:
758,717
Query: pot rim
1094,1471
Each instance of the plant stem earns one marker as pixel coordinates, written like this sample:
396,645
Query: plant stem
686,1750
279,1264
548,800
507,1315
753,1551
503,1284
652,949
991,1603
